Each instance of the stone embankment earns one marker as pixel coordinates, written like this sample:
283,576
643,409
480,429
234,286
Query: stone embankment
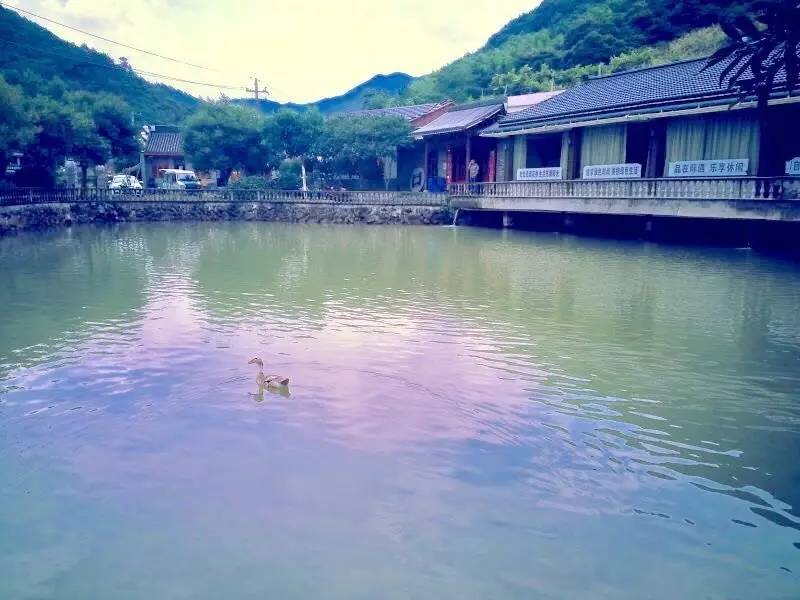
56,214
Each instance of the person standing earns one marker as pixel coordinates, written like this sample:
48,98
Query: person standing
473,171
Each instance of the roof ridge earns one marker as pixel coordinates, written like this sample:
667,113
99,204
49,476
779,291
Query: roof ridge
650,68
478,103
429,105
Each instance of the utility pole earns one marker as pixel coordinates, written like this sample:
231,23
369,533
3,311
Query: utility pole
256,91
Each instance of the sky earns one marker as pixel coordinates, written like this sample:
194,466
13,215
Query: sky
301,50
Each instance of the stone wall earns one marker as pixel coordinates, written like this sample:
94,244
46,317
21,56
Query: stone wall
35,216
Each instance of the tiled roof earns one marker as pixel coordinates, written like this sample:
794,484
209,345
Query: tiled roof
523,101
164,143
409,113
667,87
459,120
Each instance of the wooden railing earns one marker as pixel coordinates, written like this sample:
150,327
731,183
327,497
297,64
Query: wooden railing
736,188
70,195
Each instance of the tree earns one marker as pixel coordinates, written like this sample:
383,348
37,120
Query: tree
379,99
289,176
15,124
759,59
101,130
350,145
225,137
294,134
52,142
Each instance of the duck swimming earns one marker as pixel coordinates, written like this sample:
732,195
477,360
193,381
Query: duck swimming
267,380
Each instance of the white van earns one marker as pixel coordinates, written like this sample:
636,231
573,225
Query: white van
124,182
178,179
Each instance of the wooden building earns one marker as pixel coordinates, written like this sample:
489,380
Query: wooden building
452,140
673,120
163,150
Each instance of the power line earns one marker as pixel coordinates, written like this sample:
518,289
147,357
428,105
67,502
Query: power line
116,68
105,39
215,85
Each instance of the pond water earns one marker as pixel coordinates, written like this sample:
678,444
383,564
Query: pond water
472,414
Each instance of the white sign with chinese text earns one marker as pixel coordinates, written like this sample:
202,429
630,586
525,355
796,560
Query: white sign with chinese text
538,174
793,166
726,167
626,171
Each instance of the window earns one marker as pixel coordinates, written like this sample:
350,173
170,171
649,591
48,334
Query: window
544,151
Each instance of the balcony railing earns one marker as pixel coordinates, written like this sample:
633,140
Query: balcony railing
735,188
71,196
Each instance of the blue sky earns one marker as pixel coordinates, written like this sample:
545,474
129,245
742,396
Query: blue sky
302,50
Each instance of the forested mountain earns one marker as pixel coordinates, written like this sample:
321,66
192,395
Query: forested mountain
42,63
565,34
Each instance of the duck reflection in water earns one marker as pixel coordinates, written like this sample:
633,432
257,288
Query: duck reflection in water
258,396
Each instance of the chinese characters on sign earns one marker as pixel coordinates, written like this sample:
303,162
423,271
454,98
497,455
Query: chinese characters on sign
539,174
793,166
627,171
726,167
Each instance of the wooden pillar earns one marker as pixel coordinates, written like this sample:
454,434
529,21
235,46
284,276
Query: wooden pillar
765,165
491,174
449,174
654,166
520,154
570,154
425,159
468,155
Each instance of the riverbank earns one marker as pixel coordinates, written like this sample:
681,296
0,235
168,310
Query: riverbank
60,214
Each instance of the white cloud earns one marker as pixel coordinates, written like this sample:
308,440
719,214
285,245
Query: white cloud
302,50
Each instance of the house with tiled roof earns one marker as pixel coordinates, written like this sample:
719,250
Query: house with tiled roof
453,140
673,120
163,149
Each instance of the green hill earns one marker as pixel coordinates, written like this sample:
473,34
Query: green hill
42,63
568,34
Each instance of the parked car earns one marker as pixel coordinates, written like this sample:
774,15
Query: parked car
120,183
178,179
